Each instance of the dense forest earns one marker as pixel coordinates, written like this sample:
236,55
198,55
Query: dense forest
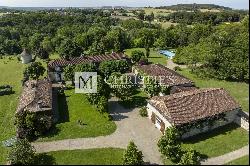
224,54
74,32
204,17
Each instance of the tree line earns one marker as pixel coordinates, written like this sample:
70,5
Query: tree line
75,32
223,54
204,17
190,7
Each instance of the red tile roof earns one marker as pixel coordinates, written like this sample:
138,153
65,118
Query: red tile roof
189,106
85,59
35,93
171,78
177,89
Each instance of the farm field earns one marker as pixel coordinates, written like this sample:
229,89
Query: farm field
163,12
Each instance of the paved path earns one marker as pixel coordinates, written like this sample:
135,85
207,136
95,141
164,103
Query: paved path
220,160
130,126
171,64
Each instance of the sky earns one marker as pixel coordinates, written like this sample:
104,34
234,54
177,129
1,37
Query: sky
236,4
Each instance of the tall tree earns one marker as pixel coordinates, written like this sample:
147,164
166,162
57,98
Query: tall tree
69,48
34,70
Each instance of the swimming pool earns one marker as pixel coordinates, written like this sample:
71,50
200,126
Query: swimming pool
167,53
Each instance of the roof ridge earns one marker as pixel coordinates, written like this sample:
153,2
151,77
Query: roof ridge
172,71
192,92
184,107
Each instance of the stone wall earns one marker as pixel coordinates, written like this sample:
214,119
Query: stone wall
230,116
242,119
151,109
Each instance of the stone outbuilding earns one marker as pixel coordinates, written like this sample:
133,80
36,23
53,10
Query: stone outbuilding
169,78
186,108
26,56
36,98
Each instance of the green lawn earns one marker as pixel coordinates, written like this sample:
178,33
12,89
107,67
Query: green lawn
11,73
154,56
105,156
240,161
75,107
217,142
240,91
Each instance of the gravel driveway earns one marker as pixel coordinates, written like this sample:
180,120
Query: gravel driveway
130,126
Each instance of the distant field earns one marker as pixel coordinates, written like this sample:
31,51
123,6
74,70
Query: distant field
165,24
212,10
125,17
158,11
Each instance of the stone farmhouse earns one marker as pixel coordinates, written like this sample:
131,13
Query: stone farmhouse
55,67
36,98
188,107
171,79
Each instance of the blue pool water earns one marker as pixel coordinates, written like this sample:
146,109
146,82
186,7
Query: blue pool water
167,53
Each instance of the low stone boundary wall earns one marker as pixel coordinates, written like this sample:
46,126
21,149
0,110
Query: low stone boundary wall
242,119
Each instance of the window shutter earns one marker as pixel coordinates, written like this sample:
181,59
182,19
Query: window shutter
153,117
162,127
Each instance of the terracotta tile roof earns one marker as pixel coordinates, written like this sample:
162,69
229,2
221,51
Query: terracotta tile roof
85,59
184,107
177,89
171,78
35,94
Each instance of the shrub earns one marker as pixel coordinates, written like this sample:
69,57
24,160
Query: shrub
120,86
31,125
136,55
143,61
109,67
102,105
143,112
34,71
170,145
190,157
165,90
42,53
5,90
22,153
5,86
152,88
177,68
132,156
